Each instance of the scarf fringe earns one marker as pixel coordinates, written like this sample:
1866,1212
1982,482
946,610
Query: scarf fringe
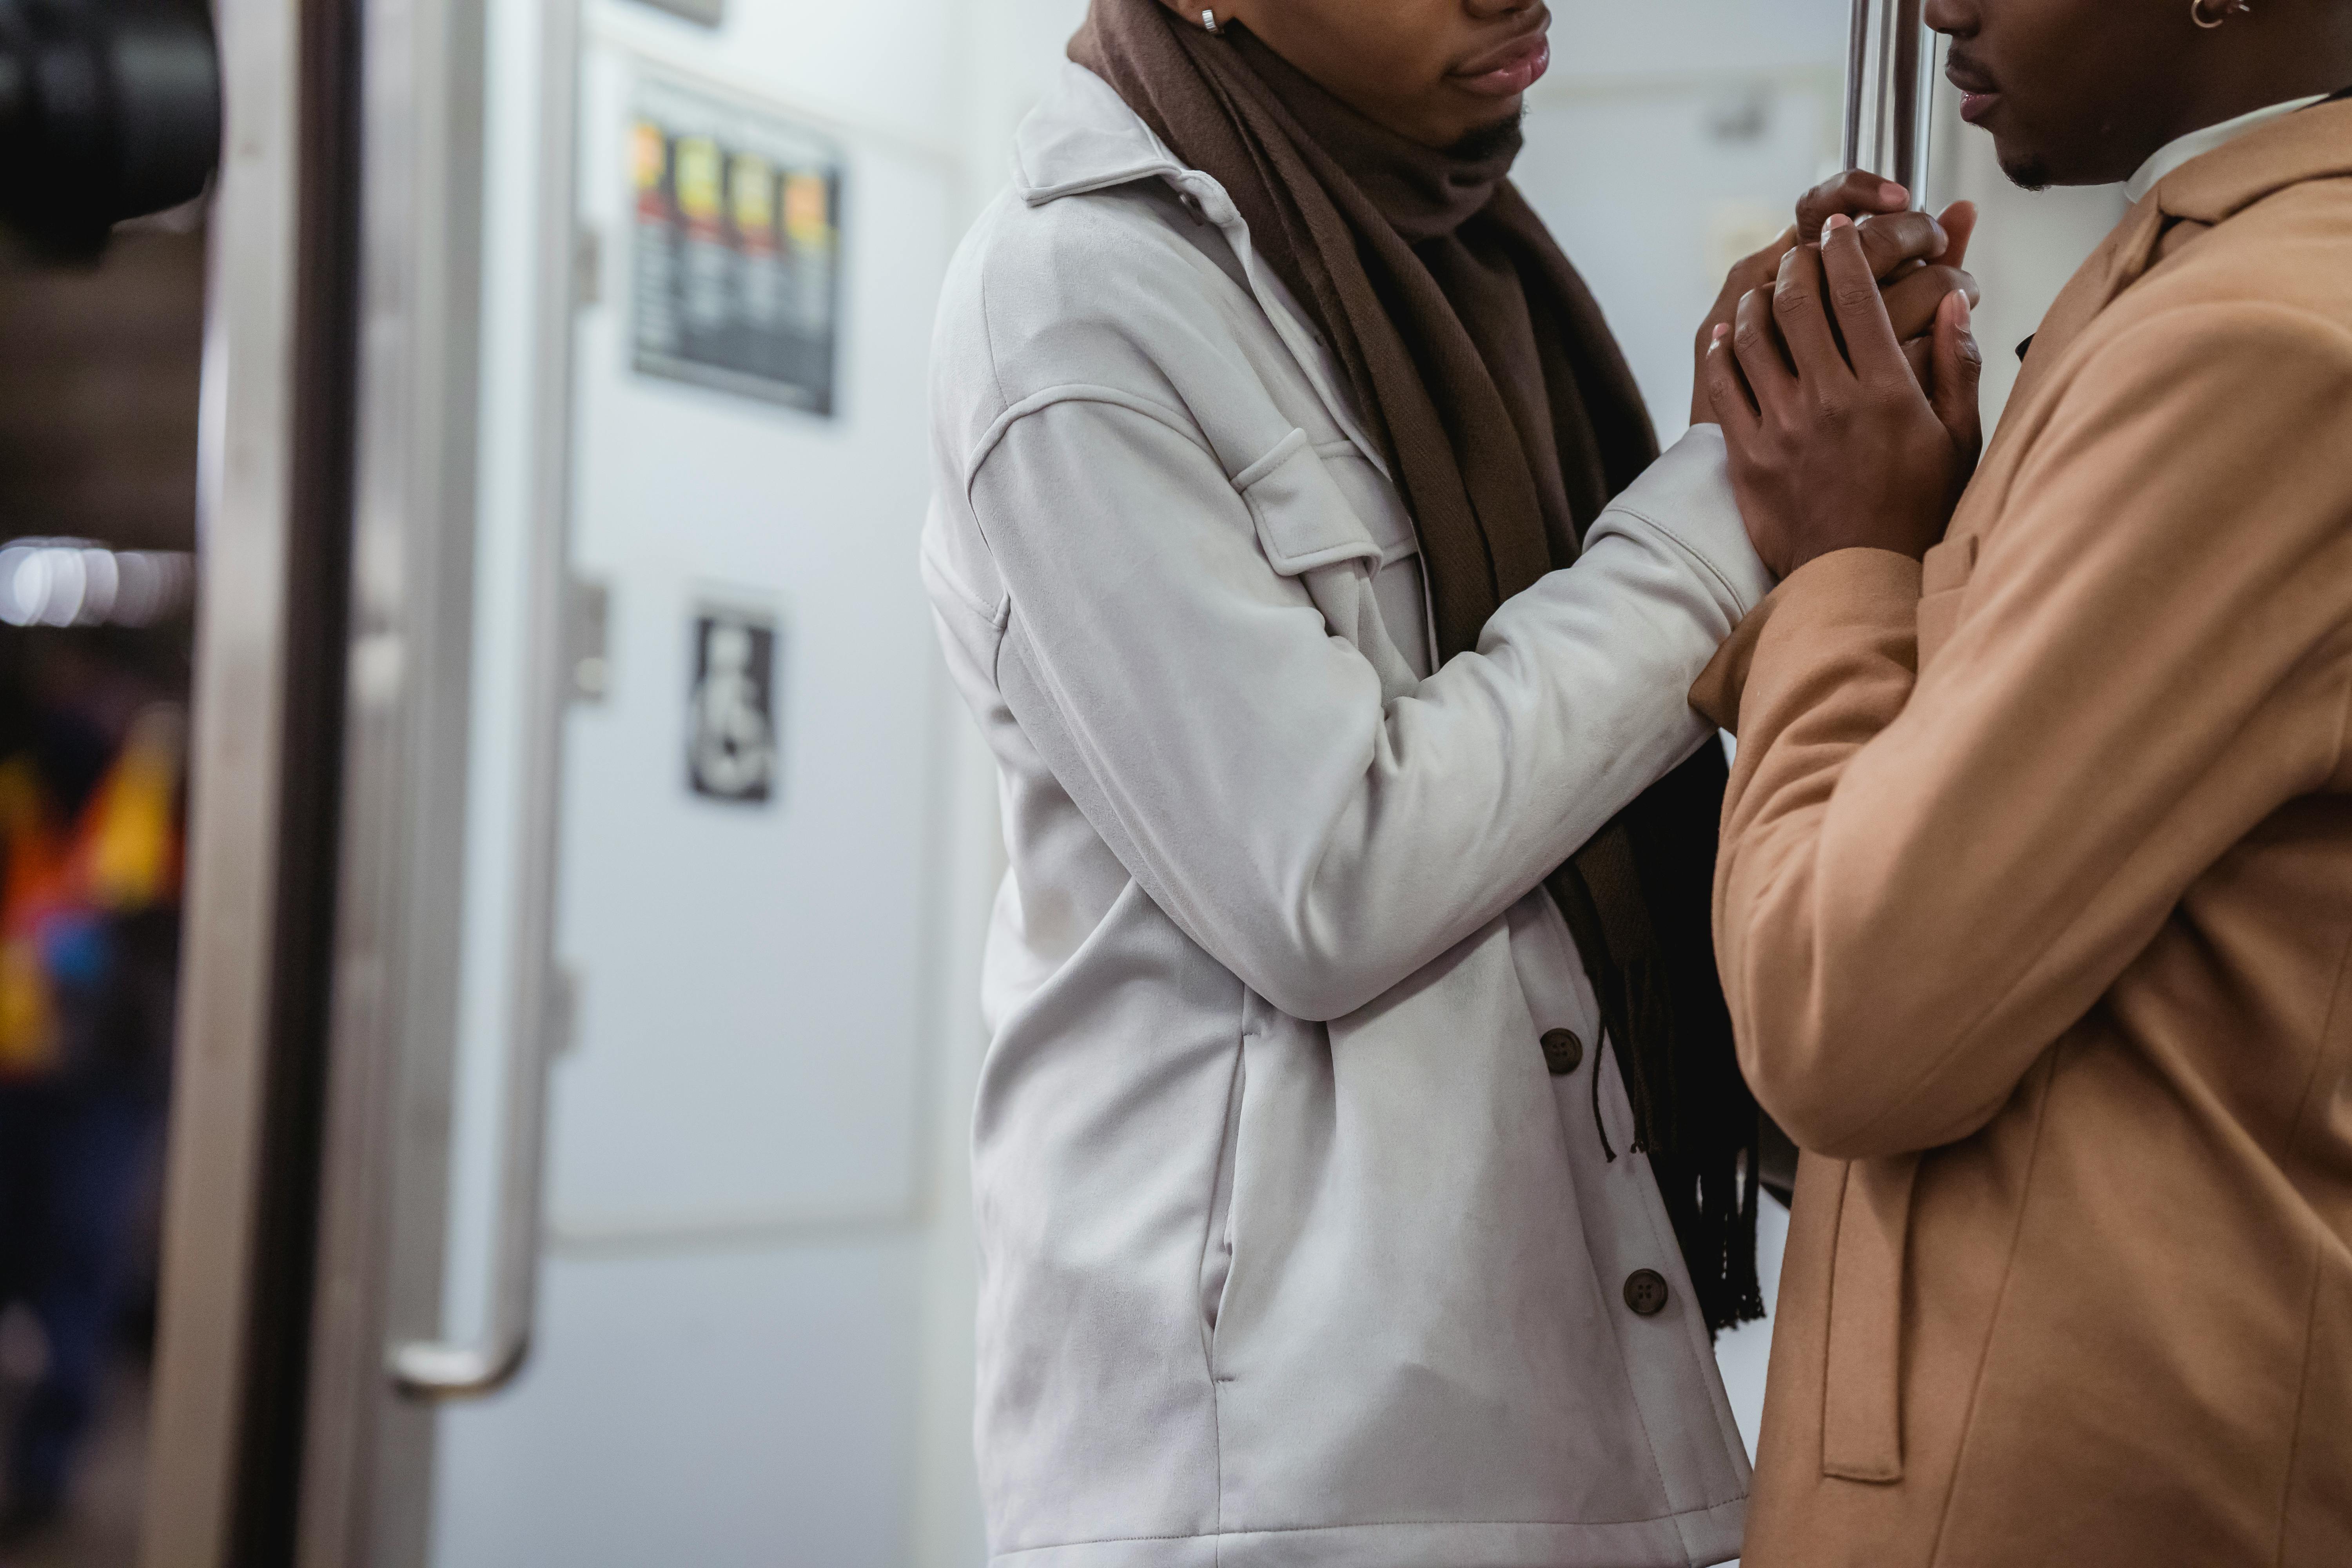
1705,1148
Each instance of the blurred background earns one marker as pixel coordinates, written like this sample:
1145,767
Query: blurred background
472,548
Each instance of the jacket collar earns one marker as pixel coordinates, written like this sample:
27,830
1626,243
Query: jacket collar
1083,137
2182,150
2313,144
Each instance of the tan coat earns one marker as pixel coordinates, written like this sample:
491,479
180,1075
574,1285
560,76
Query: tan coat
2041,952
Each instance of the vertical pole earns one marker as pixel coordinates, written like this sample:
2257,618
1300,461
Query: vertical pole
1890,93
273,515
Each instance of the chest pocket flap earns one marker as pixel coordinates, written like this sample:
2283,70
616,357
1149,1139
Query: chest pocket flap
1306,518
1314,533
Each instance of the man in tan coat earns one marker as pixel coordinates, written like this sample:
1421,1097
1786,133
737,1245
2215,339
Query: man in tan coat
2035,904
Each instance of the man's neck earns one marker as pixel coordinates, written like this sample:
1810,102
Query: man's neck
2242,87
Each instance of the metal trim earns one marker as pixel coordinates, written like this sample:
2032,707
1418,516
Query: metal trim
366,1476
273,493
245,479
438,1370
367,1483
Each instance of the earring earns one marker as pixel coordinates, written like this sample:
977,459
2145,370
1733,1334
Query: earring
2237,9
1209,22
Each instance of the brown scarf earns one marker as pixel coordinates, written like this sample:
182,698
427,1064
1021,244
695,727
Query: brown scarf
1482,365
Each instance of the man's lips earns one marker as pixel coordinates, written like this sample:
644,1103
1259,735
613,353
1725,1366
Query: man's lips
1977,90
1510,71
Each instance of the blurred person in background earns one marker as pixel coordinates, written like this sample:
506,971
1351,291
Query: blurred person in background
1361,1163
2035,904
90,880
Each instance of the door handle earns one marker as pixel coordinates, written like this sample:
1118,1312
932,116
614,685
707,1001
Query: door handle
1890,93
442,1368
541,1006
447,1370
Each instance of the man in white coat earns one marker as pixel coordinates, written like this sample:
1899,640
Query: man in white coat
1360,1161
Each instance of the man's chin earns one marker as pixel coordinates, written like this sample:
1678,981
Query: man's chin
2038,165
1497,136
2024,166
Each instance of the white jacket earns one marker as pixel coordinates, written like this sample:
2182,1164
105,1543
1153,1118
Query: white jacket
1294,1252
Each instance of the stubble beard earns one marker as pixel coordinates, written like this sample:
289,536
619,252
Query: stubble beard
2028,171
1487,140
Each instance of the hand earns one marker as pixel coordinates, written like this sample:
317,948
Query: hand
1915,291
1916,259
1828,455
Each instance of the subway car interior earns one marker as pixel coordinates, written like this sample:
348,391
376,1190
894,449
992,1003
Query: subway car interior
494,872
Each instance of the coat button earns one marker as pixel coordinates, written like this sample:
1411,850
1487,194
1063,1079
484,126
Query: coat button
1563,1052
1645,1292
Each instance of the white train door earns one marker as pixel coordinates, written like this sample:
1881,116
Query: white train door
580,1182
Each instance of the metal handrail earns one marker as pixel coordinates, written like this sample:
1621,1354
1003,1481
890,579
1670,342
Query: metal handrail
444,1370
1890,93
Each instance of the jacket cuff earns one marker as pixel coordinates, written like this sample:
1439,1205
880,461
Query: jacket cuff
1836,589
1686,497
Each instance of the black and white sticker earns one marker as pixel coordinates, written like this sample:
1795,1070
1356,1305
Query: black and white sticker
732,740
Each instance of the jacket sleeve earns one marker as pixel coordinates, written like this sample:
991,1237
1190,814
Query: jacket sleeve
1324,838
1922,885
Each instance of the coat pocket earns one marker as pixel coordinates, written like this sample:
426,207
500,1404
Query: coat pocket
1304,519
1861,1405
1217,1239
1315,531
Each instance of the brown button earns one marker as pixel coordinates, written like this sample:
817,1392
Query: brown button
1563,1052
1645,1292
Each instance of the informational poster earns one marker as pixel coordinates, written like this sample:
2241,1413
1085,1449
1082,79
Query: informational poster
737,262
732,740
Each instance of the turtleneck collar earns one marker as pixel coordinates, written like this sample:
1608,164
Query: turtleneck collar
1425,193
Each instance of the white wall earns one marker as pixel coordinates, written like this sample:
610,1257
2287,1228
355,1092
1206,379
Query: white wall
755,1325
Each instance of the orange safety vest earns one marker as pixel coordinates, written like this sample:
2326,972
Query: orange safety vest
122,855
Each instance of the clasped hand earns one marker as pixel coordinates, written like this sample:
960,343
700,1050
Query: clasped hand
1844,430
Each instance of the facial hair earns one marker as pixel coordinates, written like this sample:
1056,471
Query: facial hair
2028,172
1488,139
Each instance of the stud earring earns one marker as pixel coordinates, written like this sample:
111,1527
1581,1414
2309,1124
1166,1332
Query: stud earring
1209,22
